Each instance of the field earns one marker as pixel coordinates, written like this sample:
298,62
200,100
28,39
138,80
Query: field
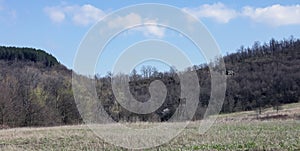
238,131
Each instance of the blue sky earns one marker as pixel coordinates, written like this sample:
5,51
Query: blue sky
59,26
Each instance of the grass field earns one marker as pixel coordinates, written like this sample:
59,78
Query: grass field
238,133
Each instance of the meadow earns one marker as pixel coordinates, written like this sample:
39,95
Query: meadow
237,131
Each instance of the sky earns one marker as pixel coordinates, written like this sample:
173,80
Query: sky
59,26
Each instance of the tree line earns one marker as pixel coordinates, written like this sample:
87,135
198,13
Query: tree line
37,91
261,76
33,94
27,54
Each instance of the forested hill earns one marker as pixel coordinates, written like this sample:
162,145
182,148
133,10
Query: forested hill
259,76
265,75
37,91
27,54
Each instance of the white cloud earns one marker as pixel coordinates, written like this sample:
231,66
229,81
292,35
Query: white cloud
152,29
56,14
218,11
149,29
125,21
275,15
80,15
87,14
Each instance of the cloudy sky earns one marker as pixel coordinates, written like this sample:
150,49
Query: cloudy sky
59,26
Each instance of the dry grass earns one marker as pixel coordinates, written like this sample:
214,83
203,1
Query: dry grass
289,111
233,134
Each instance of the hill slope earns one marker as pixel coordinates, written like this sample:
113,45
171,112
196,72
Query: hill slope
262,76
36,89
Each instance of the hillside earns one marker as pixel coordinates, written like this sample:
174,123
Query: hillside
27,55
264,75
36,90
